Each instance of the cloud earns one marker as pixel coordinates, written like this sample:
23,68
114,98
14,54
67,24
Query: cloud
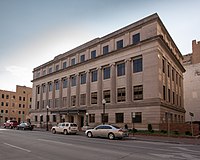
17,70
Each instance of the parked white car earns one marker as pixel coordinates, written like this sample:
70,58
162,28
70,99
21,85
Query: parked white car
66,128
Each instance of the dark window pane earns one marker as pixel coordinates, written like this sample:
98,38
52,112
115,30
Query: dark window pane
105,49
137,65
120,44
136,38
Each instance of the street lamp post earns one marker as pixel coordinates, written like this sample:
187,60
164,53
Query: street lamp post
47,117
104,104
87,118
191,115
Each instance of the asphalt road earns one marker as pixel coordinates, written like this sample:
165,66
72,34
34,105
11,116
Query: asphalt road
36,145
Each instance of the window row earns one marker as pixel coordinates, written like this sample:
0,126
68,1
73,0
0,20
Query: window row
171,72
93,54
6,111
121,97
137,67
171,97
13,104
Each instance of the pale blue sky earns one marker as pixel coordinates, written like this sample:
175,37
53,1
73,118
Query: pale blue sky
32,32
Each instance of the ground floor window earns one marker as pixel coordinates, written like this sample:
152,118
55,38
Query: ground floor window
94,98
106,95
138,92
104,118
64,101
91,118
136,117
119,117
83,99
54,118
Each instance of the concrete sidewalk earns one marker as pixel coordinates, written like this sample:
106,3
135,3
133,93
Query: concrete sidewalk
165,139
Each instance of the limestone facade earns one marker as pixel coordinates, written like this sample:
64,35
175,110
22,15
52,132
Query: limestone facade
137,70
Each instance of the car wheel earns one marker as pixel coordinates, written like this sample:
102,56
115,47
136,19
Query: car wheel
65,132
111,136
23,128
89,134
54,131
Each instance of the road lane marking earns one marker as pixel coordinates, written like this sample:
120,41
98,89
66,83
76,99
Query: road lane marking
17,147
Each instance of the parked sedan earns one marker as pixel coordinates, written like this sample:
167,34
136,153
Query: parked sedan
107,131
25,126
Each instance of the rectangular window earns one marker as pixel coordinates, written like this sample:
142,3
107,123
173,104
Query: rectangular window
106,96
54,118
137,65
50,70
105,118
2,96
73,100
106,73
6,103
38,89
64,65
164,90
38,105
91,118
163,65
94,75
2,103
94,98
50,86
20,98
7,96
121,95
65,81
57,85
169,95
64,101
120,44
136,38
36,118
106,49
168,70
73,80
82,58
93,54
121,69
138,92
172,74
73,61
43,88
83,99
137,117
57,67
57,100
83,78
173,98
119,117
44,72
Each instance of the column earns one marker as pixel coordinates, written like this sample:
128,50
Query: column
60,93
77,90
47,94
99,87
113,83
69,92
128,81
88,88
41,93
53,94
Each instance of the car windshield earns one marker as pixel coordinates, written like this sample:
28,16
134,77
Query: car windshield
74,125
116,127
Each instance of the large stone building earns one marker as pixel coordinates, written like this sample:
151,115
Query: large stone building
192,82
15,105
137,70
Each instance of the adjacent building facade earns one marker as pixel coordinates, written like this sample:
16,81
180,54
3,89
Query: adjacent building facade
15,105
192,82
137,70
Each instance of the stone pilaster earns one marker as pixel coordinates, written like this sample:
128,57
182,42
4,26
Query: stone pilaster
77,90
113,83
88,88
99,87
128,81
